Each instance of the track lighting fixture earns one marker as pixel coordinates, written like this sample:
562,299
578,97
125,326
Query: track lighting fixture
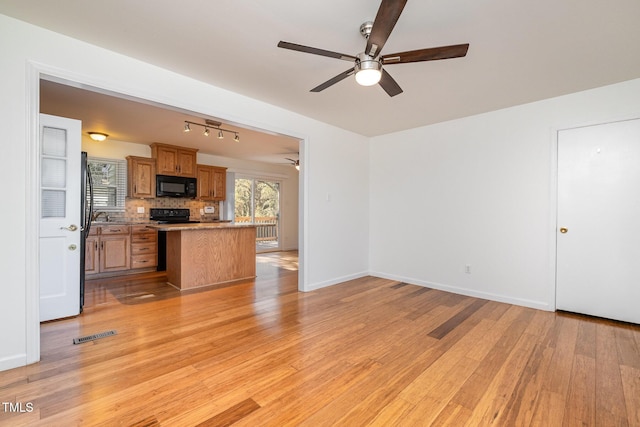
211,124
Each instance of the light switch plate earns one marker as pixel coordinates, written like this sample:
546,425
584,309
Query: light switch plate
209,209
140,209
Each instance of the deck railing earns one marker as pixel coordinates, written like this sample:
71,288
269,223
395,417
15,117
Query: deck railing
266,227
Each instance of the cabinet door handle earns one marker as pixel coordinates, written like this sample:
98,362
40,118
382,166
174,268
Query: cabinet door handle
101,245
96,246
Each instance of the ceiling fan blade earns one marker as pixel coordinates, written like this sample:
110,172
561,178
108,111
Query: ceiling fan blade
430,54
316,51
386,19
389,84
333,80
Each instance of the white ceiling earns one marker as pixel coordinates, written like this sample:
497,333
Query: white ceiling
520,51
143,122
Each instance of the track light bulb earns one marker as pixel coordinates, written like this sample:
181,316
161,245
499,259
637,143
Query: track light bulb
206,131
220,135
236,138
187,128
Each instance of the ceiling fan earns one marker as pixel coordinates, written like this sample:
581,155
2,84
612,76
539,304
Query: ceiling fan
368,64
294,163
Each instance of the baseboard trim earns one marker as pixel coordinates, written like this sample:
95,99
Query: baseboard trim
13,362
338,280
539,305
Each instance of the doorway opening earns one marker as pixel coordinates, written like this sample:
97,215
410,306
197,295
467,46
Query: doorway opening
257,201
36,101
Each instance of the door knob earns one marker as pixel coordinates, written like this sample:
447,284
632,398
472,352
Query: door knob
72,227
72,247
563,230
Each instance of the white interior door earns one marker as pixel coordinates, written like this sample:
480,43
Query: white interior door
598,237
59,240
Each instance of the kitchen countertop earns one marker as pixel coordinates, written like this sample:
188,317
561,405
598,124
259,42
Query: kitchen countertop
150,222
198,226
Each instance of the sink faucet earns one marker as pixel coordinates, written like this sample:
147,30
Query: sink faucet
95,216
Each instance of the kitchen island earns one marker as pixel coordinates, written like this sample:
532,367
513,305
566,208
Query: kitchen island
203,254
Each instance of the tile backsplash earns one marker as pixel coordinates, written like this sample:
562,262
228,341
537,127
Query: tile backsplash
194,206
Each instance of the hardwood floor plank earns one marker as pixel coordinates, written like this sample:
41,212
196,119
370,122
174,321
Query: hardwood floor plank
610,401
231,415
631,390
491,408
442,330
258,352
628,347
500,341
580,408
522,404
393,414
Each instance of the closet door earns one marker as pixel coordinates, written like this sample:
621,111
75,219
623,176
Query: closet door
598,235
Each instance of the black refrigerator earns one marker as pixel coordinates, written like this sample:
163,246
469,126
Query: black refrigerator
86,213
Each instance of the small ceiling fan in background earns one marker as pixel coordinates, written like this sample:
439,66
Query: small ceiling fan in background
368,64
295,163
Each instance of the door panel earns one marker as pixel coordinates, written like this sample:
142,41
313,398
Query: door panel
599,213
59,217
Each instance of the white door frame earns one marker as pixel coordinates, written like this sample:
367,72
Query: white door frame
36,71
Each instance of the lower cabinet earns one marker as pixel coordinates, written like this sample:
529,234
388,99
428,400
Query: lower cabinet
120,249
109,249
144,247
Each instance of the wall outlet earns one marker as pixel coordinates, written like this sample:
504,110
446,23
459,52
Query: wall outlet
467,269
140,209
201,211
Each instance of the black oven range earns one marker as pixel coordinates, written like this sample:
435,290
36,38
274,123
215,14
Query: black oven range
167,216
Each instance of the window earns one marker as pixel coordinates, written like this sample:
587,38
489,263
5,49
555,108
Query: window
109,183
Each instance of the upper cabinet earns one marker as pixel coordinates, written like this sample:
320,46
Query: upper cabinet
141,177
212,183
175,161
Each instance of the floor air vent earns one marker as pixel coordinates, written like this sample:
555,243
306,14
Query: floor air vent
94,337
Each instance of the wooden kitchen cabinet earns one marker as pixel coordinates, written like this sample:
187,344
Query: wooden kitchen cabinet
108,250
175,161
91,254
144,247
141,177
212,183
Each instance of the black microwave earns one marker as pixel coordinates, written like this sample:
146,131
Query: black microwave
175,186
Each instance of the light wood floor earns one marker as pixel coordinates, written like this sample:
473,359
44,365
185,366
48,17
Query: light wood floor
366,352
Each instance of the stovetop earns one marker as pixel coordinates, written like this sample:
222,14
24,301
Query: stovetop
170,216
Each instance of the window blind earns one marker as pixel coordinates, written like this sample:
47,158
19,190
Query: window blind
109,183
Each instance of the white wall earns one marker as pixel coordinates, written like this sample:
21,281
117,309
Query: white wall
480,191
335,244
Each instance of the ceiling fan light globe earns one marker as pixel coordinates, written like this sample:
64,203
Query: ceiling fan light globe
368,77
368,70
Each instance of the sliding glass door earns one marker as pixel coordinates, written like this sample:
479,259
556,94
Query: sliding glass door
257,201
